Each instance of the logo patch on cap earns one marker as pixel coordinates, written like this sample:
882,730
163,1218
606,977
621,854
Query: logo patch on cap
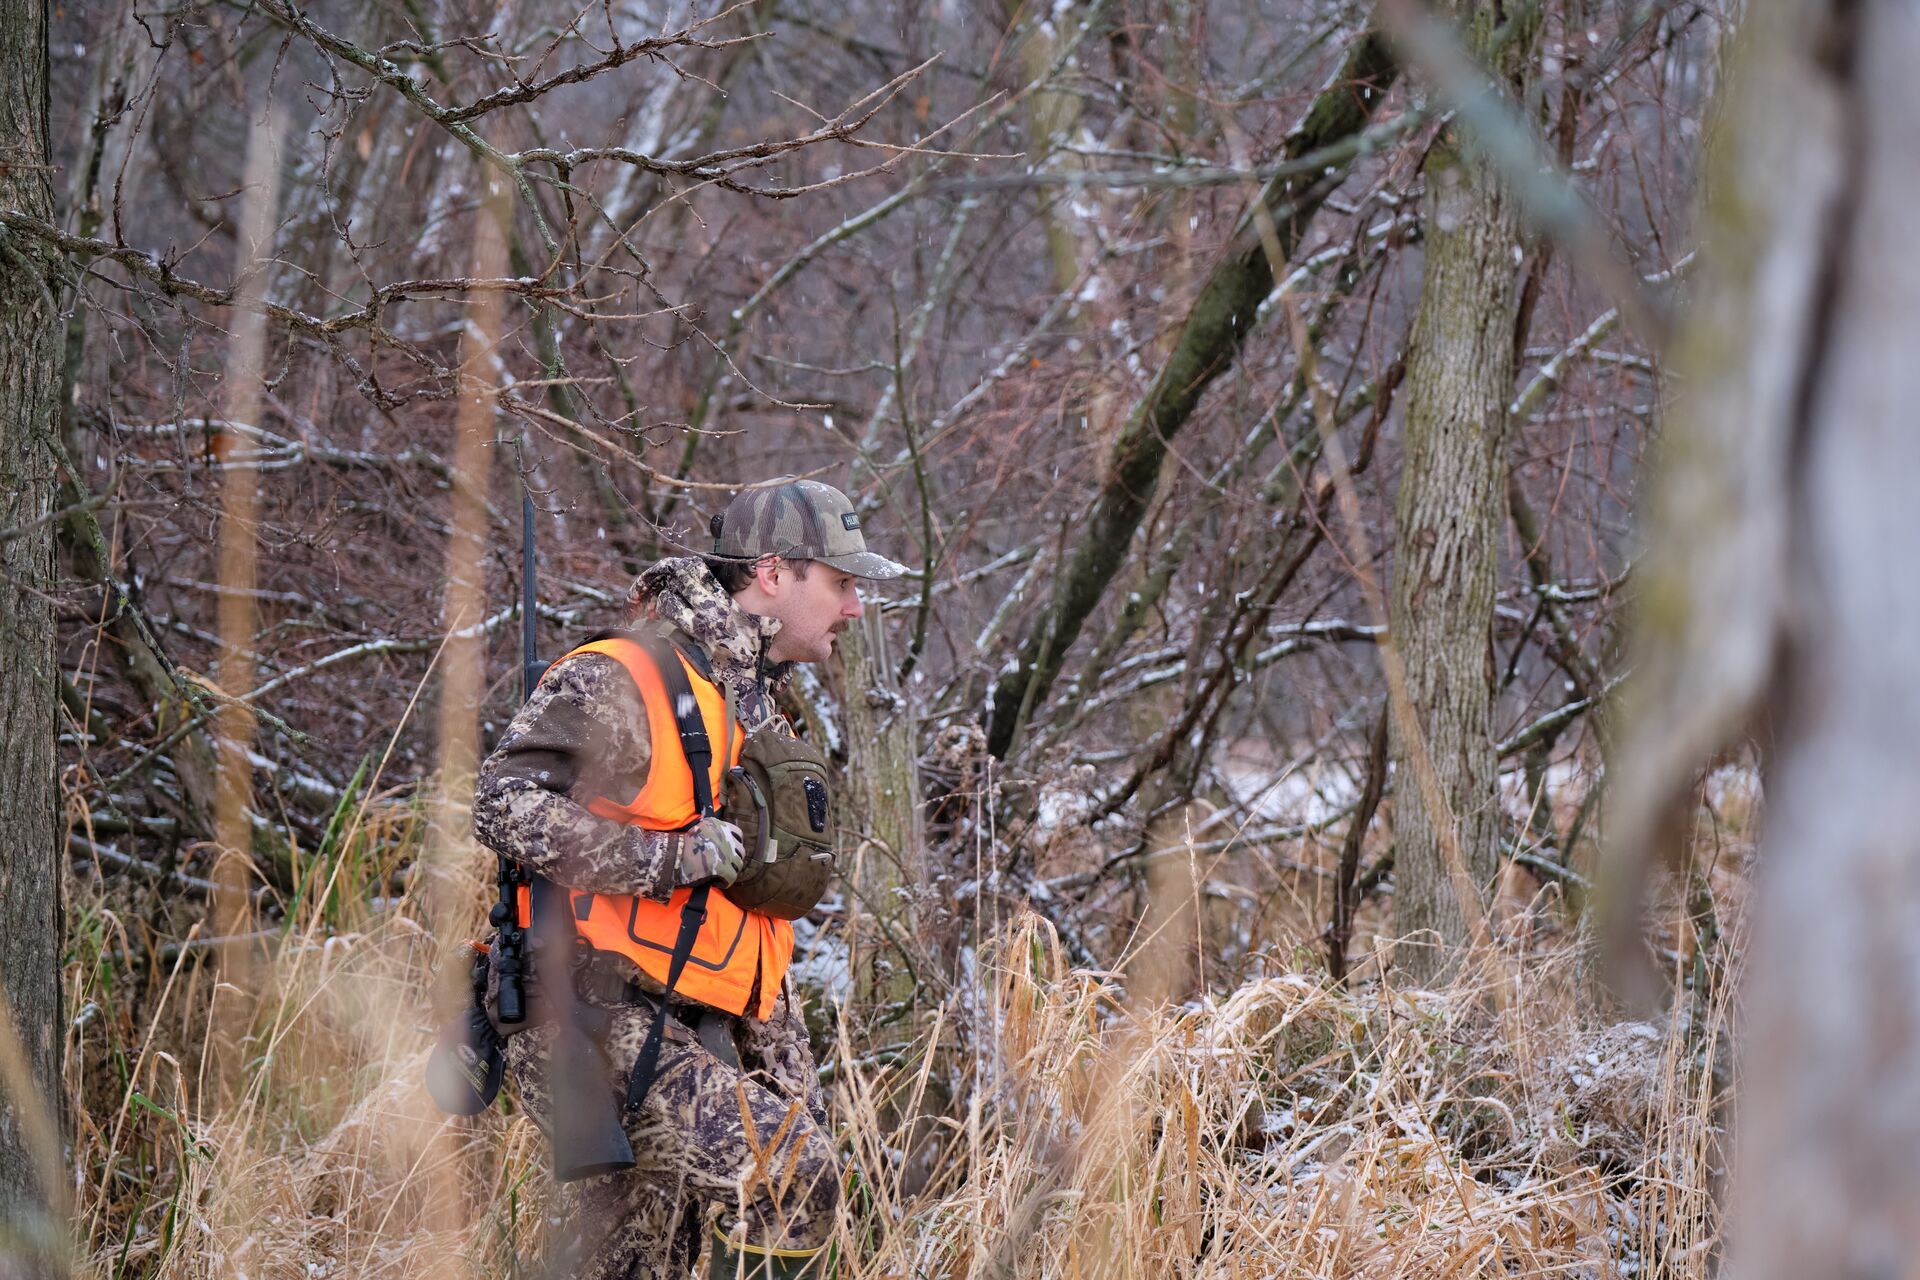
849,521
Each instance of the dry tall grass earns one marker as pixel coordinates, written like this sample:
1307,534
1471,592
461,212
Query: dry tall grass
1043,1124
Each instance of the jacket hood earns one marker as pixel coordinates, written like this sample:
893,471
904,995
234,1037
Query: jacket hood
683,592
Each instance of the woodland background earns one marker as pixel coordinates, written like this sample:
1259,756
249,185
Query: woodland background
1302,419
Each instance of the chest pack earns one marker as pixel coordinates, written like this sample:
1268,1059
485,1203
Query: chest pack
777,795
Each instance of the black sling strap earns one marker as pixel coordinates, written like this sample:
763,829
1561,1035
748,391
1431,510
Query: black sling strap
699,751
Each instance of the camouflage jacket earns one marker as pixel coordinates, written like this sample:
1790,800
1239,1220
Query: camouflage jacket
584,733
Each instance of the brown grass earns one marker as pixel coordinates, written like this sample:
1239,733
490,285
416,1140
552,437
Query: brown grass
1291,1129
1043,1123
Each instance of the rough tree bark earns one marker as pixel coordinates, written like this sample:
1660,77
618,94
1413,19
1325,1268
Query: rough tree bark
1448,517
1208,342
1779,583
884,775
30,907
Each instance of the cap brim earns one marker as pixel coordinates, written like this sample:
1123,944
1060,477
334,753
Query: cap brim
865,564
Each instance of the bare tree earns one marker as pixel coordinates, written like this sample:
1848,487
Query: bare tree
1780,590
1448,519
30,872
1216,326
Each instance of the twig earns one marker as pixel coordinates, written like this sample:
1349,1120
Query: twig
1555,720
1345,885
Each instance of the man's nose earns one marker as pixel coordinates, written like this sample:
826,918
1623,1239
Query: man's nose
855,608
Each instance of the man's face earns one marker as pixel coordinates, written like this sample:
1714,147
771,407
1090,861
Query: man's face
812,611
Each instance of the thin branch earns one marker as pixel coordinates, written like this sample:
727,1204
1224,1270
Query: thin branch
1550,724
523,93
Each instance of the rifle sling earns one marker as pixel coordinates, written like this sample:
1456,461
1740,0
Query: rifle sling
699,752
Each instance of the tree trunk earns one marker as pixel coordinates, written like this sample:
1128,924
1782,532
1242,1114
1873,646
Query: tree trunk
30,881
1449,514
884,775
1052,115
1781,583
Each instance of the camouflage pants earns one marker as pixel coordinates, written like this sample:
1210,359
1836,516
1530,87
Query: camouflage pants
707,1135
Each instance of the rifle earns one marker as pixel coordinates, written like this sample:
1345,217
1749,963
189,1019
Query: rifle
467,1064
510,947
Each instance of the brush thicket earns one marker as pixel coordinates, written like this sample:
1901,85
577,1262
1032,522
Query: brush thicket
1045,1121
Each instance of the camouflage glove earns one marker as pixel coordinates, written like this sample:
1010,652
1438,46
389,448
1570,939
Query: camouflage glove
715,851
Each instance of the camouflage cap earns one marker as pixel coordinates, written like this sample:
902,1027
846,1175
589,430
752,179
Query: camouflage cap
799,520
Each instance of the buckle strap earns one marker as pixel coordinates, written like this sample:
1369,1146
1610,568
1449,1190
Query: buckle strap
710,1025
601,981
602,988
603,984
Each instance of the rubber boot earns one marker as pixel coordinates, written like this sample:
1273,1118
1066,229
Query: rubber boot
746,1262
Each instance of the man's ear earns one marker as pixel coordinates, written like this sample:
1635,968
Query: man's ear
766,573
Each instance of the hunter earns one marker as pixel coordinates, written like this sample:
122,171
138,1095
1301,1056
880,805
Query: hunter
590,789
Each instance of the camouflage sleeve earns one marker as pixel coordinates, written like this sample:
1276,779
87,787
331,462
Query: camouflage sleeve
780,1047
582,734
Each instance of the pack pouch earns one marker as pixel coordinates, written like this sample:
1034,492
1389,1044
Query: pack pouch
777,795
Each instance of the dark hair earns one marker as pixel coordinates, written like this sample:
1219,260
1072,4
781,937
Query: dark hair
734,575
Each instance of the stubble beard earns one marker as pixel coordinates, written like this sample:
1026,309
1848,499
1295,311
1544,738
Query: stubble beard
819,649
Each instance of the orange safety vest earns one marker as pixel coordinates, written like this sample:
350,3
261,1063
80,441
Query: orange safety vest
736,951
